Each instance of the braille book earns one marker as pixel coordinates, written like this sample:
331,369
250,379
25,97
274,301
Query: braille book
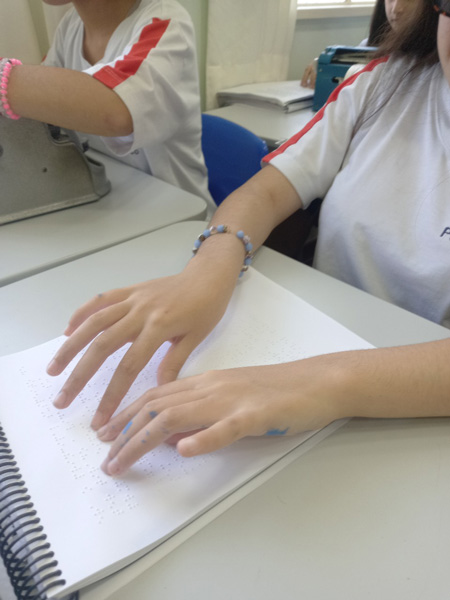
65,524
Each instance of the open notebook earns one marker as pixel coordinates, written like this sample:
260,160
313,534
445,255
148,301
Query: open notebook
93,524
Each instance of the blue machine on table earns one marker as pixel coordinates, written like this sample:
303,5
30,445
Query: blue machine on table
333,64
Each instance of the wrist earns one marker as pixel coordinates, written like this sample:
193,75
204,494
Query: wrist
336,383
218,259
365,383
343,380
238,235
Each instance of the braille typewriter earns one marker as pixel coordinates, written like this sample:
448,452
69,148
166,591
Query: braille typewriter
44,168
332,66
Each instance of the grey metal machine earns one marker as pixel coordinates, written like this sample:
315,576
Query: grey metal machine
43,169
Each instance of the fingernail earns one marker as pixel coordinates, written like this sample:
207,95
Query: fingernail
98,421
104,465
102,432
113,468
52,367
106,433
61,400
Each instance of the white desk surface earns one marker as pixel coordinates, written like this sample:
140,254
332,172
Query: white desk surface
137,204
271,124
363,515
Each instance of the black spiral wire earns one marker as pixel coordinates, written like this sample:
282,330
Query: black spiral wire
24,549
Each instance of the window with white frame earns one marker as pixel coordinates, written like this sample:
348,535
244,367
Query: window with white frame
302,3
326,8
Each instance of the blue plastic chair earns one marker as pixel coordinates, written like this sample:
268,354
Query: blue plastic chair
232,154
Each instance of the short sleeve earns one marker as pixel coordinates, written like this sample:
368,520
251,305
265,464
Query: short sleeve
156,78
312,158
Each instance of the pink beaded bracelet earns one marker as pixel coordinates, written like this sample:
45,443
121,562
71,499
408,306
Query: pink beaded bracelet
6,64
248,247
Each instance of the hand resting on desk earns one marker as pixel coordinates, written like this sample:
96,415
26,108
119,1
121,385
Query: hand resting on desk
219,407
147,314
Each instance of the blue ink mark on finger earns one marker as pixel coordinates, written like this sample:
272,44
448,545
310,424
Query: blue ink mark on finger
277,431
100,295
127,427
153,414
147,435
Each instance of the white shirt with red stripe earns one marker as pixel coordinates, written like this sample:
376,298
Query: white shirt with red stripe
385,220
150,62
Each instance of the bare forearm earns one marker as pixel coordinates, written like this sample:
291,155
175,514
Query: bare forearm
68,99
255,208
258,206
406,381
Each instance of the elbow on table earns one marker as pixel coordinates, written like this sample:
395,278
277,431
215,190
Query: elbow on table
116,122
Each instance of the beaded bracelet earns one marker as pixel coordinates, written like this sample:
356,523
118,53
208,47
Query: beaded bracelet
6,64
224,229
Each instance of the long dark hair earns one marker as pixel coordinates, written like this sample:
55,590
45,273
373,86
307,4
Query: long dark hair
379,24
415,36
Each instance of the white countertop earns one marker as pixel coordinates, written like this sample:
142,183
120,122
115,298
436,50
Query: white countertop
137,204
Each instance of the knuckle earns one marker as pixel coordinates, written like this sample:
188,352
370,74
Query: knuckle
128,368
101,345
169,419
148,407
159,318
97,320
235,427
149,412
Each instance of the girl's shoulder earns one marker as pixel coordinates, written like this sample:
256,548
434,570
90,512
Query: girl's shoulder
162,9
384,78
69,23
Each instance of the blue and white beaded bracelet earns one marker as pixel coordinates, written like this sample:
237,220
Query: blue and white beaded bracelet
248,246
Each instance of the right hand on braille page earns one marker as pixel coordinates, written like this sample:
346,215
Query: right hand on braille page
147,315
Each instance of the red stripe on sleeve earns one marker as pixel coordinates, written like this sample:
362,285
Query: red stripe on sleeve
318,116
130,63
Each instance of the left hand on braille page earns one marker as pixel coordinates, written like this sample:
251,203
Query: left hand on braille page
220,407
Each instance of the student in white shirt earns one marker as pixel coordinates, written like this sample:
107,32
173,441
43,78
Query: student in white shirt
123,73
379,155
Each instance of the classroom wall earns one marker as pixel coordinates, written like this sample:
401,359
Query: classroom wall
313,35
17,33
310,38
198,9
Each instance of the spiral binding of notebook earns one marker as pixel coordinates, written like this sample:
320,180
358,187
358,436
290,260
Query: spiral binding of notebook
24,549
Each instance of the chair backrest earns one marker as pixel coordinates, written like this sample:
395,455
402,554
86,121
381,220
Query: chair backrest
232,154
